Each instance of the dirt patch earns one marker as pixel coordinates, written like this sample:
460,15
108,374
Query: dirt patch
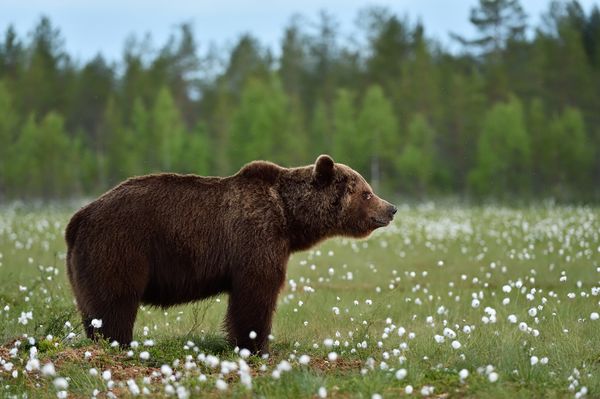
342,365
4,352
116,363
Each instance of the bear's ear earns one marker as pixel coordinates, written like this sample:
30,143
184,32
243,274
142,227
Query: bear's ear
323,169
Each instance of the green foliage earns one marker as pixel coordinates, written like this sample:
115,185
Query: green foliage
396,105
167,133
8,124
570,148
503,152
259,122
346,144
377,134
416,162
44,161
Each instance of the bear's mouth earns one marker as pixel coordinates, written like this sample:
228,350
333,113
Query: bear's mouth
380,222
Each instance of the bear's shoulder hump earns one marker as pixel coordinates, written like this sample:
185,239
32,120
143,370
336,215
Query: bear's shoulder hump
262,170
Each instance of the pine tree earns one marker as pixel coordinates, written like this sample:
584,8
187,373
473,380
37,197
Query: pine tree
117,149
45,167
537,125
321,130
416,162
567,153
8,127
196,152
45,79
143,153
378,131
258,123
498,21
11,55
348,146
463,105
26,178
503,152
168,132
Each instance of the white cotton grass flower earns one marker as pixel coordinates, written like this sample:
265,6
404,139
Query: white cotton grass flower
133,387
401,374
408,389
245,353
252,335
463,374
96,323
532,312
284,365
493,376
61,383
221,385
449,333
25,317
182,392
456,345
32,364
322,392
534,360
512,319
144,355
166,370
594,316
304,359
332,356
48,370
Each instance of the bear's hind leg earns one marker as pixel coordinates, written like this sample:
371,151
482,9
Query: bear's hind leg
117,321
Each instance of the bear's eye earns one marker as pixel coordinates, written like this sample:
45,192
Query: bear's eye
367,195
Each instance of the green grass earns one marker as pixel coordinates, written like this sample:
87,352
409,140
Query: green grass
420,274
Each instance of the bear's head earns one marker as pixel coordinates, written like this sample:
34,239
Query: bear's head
360,211
328,199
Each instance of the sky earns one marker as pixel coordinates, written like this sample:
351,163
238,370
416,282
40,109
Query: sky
91,26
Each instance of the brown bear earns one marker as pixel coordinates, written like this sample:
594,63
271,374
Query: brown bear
167,239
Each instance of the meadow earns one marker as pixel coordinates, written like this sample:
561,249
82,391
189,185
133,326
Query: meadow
449,301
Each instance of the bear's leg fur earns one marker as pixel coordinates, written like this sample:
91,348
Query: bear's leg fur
117,318
251,306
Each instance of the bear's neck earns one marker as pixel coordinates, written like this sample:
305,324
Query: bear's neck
304,237
308,221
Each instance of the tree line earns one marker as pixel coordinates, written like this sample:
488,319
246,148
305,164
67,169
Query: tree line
515,112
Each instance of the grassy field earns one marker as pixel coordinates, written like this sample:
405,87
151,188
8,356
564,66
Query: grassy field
447,302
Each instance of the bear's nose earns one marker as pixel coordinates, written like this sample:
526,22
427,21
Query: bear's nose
393,210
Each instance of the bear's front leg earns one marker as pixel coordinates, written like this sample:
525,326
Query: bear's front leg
252,302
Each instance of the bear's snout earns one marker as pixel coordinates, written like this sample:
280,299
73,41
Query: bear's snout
384,214
392,210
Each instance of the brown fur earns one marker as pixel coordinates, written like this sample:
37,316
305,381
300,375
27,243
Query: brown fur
168,239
